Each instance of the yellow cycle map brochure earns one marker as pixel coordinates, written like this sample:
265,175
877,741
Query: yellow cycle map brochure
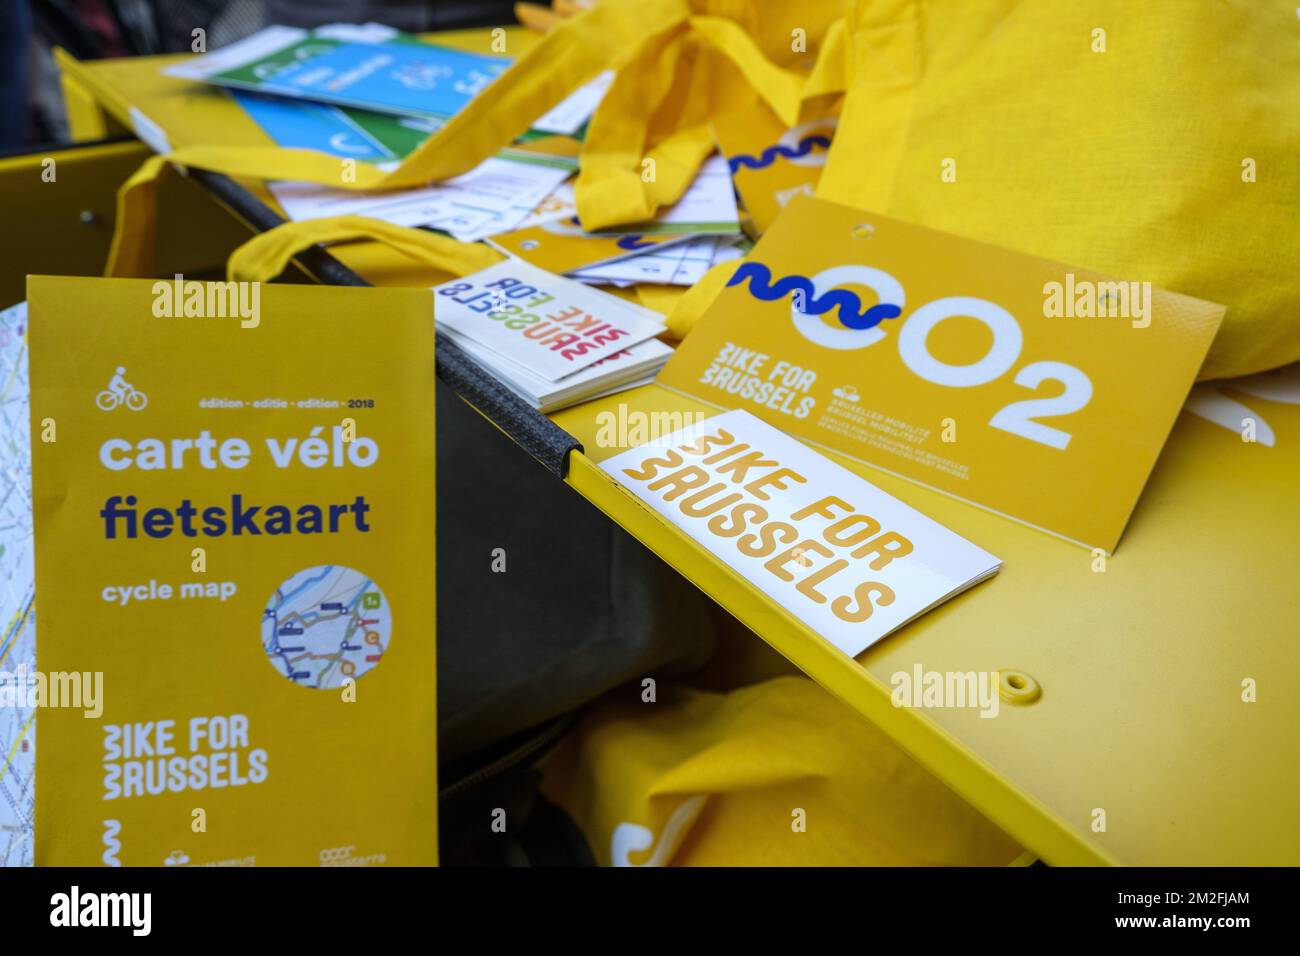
234,530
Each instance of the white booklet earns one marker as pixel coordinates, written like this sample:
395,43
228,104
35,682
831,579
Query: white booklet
845,558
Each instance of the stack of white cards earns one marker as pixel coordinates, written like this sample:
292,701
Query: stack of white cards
552,341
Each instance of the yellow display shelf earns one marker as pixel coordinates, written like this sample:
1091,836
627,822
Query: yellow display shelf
1141,665
1142,747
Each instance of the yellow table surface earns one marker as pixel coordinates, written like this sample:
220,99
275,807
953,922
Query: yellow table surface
1141,667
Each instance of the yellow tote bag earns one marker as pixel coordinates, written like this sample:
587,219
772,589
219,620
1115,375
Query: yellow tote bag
266,255
1153,141
779,773
674,60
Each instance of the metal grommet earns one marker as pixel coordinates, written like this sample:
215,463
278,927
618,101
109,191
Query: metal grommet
528,245
862,230
1017,687
88,217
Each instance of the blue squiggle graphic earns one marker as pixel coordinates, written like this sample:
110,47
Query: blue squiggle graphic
113,845
770,154
851,315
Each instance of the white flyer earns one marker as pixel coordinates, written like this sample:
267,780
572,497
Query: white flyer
850,561
492,197
707,207
682,263
567,116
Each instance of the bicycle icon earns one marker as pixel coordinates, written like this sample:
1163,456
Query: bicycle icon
134,400
121,392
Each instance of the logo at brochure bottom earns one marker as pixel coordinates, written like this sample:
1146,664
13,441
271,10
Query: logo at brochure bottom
326,626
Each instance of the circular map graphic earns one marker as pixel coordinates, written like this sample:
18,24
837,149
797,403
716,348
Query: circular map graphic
326,625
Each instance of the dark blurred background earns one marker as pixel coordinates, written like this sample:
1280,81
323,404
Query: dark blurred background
31,110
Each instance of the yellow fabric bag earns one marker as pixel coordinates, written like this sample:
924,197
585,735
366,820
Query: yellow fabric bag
778,773
265,256
1153,141
646,141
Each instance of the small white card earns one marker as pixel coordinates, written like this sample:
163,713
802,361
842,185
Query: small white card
707,206
850,561
550,325
567,116
681,263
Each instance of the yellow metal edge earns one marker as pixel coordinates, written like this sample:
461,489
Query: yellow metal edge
91,104
86,121
75,153
1024,819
